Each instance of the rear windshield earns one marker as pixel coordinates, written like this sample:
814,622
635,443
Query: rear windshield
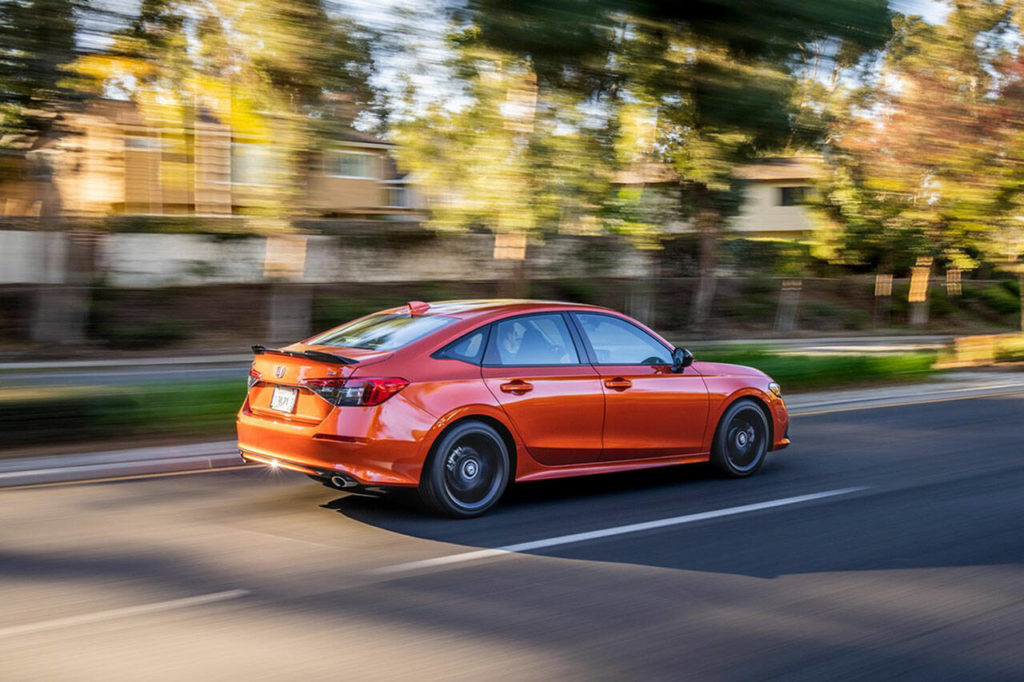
383,331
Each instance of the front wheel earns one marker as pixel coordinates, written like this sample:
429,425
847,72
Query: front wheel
467,472
741,440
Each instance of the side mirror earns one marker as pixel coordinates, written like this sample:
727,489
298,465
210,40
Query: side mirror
681,359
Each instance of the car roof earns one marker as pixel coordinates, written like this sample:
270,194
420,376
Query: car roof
472,308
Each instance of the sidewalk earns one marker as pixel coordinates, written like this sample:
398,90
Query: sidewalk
219,454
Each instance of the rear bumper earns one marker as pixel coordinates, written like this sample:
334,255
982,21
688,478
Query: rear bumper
363,443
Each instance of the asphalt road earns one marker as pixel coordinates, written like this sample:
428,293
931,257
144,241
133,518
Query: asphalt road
885,543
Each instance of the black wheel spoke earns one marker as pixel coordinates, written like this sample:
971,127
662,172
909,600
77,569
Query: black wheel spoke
746,437
473,471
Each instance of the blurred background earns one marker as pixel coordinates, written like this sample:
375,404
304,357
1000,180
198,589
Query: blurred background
181,179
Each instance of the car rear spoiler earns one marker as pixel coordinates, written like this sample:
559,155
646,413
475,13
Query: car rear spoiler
318,355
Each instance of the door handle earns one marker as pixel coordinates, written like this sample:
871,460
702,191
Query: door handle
517,386
618,383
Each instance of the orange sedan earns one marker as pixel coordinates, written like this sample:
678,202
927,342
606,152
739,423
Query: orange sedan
462,398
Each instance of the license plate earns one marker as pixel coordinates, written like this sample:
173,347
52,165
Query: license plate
283,399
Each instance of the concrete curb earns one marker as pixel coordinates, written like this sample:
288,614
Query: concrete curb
171,458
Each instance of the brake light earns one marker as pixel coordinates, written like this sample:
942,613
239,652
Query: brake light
254,377
355,392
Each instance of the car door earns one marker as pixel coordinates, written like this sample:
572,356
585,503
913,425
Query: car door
650,411
553,397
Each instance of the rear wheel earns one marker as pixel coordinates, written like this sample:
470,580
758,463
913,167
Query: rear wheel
741,440
467,472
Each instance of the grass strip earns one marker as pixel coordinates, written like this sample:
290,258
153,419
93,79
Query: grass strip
812,372
63,414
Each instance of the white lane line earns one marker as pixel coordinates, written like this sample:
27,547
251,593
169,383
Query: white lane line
607,532
125,612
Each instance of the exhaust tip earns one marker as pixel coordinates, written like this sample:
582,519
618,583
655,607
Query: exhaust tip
342,482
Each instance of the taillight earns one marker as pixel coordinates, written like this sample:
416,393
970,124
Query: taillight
254,377
355,392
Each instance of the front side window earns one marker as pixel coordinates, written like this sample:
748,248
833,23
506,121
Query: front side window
531,340
383,331
617,342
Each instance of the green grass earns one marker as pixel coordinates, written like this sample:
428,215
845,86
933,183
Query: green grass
41,416
810,372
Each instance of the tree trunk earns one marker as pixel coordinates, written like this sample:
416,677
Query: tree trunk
517,285
707,224
289,312
60,311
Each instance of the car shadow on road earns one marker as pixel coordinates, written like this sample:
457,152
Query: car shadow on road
880,531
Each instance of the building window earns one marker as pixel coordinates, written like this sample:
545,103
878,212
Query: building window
252,163
792,196
347,164
142,143
397,197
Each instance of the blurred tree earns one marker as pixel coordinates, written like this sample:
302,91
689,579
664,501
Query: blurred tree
37,38
509,156
918,153
716,76
282,73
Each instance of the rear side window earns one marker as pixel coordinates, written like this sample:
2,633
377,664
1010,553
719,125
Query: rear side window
617,342
531,340
382,331
470,348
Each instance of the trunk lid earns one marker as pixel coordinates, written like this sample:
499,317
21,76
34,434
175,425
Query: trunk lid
282,371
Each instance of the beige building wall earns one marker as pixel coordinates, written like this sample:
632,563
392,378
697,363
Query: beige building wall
212,169
329,191
95,180
762,212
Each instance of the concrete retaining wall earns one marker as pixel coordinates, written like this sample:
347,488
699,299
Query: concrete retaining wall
149,259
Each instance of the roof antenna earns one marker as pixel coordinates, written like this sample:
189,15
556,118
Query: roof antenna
418,308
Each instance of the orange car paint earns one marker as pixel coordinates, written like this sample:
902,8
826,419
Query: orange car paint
576,420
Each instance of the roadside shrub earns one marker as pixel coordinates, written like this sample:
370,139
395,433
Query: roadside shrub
330,311
760,285
854,318
804,372
999,299
34,416
577,290
145,335
71,413
752,310
1011,350
939,303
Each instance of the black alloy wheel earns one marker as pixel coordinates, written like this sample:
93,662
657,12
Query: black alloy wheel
741,440
467,472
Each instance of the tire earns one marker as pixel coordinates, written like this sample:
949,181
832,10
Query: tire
467,471
741,440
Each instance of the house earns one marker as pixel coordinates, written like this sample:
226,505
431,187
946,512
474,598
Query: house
109,159
774,195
